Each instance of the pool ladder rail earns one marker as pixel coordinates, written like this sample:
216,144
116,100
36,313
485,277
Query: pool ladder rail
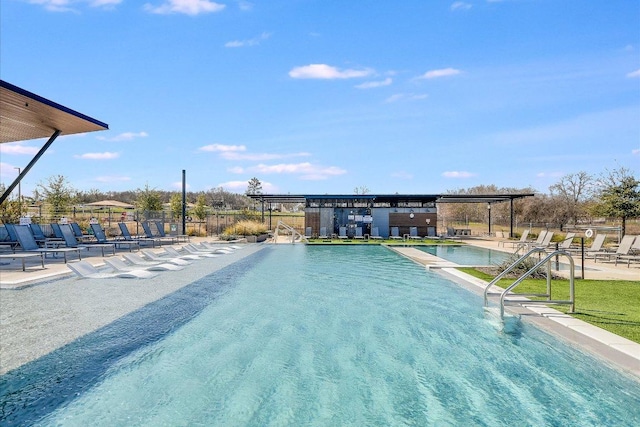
547,259
284,228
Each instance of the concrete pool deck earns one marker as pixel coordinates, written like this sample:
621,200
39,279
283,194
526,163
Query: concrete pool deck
88,305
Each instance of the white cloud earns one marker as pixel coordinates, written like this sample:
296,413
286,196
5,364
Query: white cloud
245,5
460,5
550,174
113,178
221,148
402,175
406,96
241,186
635,152
251,42
634,74
178,185
370,85
458,174
125,136
260,157
236,170
8,170
327,72
17,148
98,156
443,72
106,3
188,7
306,170
65,5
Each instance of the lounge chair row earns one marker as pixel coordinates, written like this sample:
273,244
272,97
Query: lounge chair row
149,263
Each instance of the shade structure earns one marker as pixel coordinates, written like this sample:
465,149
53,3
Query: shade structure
111,204
25,115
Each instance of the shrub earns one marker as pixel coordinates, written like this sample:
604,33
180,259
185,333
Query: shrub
246,228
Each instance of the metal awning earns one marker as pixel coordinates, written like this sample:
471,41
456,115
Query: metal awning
25,115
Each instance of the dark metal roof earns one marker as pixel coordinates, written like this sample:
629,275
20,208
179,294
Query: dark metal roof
25,115
392,198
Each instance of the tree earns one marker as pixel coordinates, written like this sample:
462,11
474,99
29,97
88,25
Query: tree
619,195
363,189
254,186
200,210
58,194
175,204
571,192
148,199
10,210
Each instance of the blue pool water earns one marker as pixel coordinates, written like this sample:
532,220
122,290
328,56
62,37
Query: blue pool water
466,255
329,336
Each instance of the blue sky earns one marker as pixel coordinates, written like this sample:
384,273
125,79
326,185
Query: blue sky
320,97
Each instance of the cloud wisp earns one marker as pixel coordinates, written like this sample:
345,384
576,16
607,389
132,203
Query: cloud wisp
17,148
125,136
458,174
443,72
97,156
186,7
327,72
371,85
248,43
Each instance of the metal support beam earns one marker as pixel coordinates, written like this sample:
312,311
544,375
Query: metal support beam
184,202
29,166
511,235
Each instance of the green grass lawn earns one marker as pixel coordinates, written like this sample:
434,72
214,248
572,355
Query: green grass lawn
613,305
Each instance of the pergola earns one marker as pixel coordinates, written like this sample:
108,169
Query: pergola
391,200
25,115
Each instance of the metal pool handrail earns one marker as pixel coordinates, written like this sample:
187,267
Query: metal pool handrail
570,301
507,271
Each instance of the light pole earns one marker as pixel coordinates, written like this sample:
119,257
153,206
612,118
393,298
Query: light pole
489,209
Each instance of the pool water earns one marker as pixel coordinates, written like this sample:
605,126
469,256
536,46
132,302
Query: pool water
307,335
467,255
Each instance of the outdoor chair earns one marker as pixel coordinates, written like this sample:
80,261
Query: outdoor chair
101,237
359,234
85,270
142,240
342,233
159,239
395,233
375,233
413,233
152,256
323,233
633,255
71,241
28,243
178,237
118,264
623,250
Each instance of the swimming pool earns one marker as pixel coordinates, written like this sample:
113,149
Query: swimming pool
310,335
467,255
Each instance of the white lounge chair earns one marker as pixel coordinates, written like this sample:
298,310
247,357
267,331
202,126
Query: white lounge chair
151,255
87,271
119,265
413,233
375,233
395,233
171,251
342,233
623,250
194,251
323,233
